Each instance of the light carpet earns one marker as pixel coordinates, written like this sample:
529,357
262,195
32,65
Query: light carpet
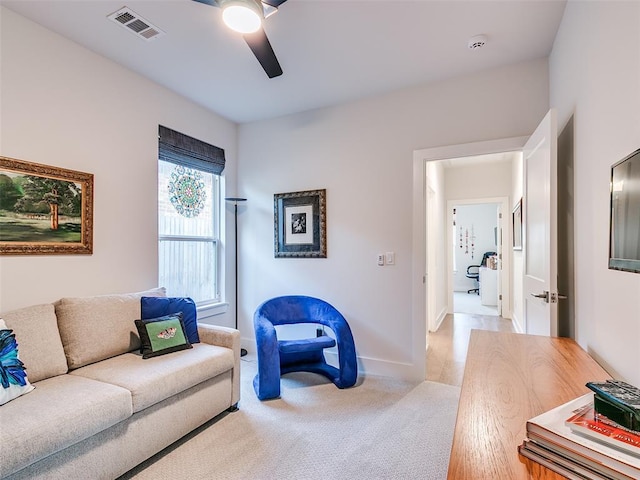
379,429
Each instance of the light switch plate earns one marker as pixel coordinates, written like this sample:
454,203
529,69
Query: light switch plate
390,258
381,260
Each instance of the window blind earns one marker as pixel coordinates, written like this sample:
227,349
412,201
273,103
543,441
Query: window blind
176,147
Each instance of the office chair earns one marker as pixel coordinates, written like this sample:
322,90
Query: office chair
473,271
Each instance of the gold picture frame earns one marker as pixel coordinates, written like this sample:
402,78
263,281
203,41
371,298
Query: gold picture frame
44,210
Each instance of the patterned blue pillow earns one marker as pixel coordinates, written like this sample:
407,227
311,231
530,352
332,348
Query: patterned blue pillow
13,376
154,307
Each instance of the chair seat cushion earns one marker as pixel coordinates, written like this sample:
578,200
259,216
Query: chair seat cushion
306,344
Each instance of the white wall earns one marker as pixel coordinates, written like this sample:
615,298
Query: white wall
479,180
65,106
594,78
362,154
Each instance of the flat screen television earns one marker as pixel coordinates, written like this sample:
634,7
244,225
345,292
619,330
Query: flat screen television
624,242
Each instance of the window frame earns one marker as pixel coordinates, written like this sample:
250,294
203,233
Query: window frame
208,306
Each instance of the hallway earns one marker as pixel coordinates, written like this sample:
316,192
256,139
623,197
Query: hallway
447,350
464,302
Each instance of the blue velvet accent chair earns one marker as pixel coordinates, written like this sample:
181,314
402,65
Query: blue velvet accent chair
277,357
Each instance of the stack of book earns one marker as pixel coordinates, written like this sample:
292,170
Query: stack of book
578,441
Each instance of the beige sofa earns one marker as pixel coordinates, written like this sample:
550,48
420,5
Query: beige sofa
99,409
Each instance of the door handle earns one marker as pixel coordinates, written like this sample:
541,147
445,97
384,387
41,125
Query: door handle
553,298
544,295
556,296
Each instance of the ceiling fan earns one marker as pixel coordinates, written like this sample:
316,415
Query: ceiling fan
246,17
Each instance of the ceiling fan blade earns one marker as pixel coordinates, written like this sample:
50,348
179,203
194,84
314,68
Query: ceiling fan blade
273,3
213,3
261,48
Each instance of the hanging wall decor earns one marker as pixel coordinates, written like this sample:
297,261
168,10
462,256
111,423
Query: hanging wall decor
44,210
517,226
473,241
300,225
187,191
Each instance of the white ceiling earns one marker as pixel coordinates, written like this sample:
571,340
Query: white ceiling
331,51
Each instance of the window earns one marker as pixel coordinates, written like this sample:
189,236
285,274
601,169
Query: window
188,217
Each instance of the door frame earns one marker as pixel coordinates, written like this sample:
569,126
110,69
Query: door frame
419,263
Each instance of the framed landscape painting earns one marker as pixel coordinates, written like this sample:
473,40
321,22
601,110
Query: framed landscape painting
300,224
44,210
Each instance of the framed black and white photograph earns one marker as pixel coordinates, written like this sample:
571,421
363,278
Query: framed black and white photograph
517,226
300,224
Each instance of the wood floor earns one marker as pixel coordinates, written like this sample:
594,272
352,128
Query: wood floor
447,350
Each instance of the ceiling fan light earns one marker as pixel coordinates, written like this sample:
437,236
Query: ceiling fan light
243,17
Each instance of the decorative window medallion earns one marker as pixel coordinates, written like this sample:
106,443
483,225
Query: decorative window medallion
187,191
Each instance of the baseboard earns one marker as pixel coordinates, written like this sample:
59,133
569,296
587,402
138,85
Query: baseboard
517,324
381,368
441,316
366,365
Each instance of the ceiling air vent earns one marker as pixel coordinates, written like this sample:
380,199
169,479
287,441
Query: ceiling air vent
137,25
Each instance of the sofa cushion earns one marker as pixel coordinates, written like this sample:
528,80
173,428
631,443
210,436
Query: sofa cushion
152,380
153,307
61,411
95,328
13,376
162,335
36,330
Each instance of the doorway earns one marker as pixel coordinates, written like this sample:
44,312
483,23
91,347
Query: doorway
464,203
475,249
428,168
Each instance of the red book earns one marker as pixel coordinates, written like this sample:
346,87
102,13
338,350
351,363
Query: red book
599,428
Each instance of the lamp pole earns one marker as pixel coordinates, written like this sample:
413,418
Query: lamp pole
235,201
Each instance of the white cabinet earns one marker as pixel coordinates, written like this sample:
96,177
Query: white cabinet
488,286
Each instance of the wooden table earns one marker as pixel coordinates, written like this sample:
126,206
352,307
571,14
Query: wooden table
508,379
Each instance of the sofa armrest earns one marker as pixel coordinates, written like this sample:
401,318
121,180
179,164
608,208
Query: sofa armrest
221,336
229,338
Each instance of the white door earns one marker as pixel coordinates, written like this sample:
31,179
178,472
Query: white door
539,221
499,253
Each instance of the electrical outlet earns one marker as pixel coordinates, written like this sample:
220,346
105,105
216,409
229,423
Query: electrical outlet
381,259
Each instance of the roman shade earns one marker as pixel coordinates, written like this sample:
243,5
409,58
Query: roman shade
176,147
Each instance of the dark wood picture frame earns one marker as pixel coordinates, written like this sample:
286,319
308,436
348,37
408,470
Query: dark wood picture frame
44,210
517,226
300,225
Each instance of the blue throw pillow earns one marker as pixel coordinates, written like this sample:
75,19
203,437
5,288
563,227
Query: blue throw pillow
154,307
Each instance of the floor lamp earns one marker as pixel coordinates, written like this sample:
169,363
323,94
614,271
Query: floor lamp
235,201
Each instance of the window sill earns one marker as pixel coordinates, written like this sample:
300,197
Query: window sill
211,310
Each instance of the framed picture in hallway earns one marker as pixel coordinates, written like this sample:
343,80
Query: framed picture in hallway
44,210
517,226
300,224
